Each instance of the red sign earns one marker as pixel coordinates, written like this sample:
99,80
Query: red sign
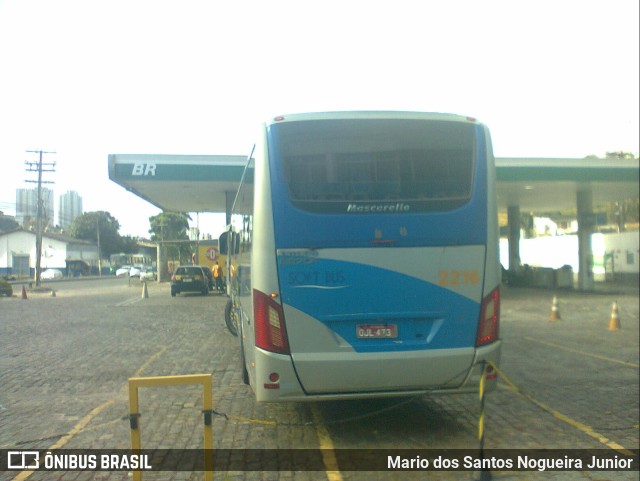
212,253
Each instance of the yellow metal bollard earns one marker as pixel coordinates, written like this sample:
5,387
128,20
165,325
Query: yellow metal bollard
207,405
485,474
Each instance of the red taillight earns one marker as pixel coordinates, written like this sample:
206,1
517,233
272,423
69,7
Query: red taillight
271,334
489,319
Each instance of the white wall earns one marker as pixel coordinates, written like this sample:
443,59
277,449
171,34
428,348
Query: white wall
625,249
19,243
558,251
54,252
87,253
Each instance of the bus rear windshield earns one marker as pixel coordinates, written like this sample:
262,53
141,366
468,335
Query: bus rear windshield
363,166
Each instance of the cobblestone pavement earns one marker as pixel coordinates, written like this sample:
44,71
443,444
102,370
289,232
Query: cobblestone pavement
65,362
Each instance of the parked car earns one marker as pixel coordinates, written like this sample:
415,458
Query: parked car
190,279
209,274
135,271
123,271
148,274
49,274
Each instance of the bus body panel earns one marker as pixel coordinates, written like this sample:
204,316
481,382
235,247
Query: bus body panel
492,273
430,298
252,221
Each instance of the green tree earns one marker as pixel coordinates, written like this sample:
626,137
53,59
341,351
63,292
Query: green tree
172,226
7,223
621,155
622,213
128,245
88,225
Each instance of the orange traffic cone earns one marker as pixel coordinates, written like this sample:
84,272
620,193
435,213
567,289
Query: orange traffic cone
24,292
555,311
614,321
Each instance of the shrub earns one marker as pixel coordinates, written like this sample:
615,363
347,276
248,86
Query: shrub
5,289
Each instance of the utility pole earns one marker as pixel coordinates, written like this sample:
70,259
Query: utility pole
98,239
39,167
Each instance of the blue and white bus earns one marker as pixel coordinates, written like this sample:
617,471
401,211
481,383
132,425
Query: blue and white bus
364,256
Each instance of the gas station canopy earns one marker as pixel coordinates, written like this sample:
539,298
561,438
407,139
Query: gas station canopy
180,183
546,185
207,183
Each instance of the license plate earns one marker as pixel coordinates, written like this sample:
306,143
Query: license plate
186,279
376,331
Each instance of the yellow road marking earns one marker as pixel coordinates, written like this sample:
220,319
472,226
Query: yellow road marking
141,369
326,446
80,425
254,421
585,428
578,351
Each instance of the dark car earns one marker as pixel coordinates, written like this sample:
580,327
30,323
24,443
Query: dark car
190,279
209,275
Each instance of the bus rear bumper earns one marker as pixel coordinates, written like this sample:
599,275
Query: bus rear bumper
288,388
486,356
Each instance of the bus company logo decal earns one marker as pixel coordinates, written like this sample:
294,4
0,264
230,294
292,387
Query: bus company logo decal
297,256
386,208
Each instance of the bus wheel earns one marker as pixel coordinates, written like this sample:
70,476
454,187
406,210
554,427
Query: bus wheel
231,318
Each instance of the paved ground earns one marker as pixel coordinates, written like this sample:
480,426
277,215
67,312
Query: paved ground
65,361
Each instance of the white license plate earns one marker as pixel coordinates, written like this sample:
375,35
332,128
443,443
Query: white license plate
376,331
187,279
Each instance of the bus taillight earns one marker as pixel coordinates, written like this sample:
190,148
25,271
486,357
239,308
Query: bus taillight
271,334
488,325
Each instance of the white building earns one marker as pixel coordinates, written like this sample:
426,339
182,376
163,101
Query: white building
71,256
615,253
70,207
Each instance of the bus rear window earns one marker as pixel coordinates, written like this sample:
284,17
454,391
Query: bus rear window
359,165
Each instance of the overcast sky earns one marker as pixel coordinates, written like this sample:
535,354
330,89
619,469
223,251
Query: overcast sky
83,78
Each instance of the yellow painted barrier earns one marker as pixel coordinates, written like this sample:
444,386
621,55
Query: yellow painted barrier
207,405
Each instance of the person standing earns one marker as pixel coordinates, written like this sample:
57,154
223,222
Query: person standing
217,276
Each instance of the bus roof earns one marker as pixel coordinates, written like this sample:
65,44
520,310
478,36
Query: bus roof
370,114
